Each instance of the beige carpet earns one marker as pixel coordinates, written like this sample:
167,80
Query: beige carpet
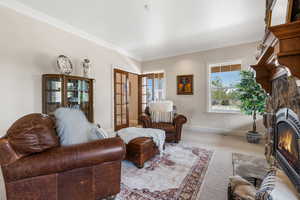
215,182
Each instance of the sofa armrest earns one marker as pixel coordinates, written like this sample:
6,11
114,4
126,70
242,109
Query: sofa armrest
146,120
179,120
61,159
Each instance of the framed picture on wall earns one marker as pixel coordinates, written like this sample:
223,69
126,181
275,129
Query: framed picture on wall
185,85
294,10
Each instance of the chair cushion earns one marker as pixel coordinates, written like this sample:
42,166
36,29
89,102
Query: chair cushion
32,133
168,127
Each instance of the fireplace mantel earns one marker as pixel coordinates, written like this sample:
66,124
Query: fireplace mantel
282,50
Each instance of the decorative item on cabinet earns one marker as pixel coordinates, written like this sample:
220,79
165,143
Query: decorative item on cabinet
86,65
64,65
68,91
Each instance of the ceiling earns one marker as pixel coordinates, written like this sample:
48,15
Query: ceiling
166,27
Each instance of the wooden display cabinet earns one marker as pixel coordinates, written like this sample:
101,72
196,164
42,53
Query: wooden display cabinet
68,91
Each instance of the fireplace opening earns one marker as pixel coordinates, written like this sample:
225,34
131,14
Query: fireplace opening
287,144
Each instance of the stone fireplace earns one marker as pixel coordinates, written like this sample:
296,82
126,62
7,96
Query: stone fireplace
283,125
278,72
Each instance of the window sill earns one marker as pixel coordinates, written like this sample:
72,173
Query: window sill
224,112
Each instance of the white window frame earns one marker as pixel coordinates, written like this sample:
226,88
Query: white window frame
209,106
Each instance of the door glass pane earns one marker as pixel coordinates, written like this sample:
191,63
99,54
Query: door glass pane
54,97
144,99
144,81
53,84
119,120
124,78
85,86
149,94
118,99
144,107
124,119
118,110
118,77
124,109
144,89
118,88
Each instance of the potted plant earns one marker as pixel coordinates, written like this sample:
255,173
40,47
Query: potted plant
253,101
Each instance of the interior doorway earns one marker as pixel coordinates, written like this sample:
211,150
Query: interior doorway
126,94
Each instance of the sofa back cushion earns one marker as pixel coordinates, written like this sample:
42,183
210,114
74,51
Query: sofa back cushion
32,133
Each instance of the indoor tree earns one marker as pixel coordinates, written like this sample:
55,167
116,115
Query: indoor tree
252,97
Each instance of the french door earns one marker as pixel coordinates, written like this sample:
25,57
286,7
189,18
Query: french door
121,87
151,88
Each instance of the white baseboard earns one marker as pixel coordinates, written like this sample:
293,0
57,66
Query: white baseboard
222,131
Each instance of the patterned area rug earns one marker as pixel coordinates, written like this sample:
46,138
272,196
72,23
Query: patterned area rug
178,174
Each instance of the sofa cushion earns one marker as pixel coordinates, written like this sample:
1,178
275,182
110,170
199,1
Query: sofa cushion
277,186
32,133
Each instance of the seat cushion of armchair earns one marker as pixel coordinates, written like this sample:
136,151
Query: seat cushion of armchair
168,127
66,158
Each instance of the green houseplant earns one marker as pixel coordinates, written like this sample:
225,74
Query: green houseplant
253,101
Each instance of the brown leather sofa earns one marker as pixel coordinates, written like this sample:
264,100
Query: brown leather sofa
36,167
173,130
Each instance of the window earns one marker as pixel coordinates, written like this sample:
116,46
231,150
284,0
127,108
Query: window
152,89
223,79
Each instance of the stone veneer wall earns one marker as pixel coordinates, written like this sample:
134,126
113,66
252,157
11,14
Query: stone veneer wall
285,94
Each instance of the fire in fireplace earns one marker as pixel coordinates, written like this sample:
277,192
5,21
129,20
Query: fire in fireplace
287,144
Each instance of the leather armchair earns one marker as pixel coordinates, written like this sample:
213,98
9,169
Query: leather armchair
173,130
35,166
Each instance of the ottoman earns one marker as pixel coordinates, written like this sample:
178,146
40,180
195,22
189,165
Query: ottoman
140,150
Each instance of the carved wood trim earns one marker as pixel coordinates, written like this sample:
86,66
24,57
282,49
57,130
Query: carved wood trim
282,51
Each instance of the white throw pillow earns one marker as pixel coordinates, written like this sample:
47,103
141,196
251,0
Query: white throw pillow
73,127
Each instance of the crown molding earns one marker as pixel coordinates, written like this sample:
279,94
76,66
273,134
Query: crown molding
37,15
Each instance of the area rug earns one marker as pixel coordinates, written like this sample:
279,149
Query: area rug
249,165
177,174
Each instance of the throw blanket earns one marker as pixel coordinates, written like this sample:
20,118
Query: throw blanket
2,186
159,136
161,111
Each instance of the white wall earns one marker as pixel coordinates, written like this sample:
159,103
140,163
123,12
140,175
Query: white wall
195,106
29,48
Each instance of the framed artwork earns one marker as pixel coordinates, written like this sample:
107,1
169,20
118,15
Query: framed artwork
294,14
185,85
281,12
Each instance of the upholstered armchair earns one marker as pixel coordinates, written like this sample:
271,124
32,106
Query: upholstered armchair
173,130
35,166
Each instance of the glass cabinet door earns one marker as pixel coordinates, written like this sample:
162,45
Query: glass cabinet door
53,94
78,95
